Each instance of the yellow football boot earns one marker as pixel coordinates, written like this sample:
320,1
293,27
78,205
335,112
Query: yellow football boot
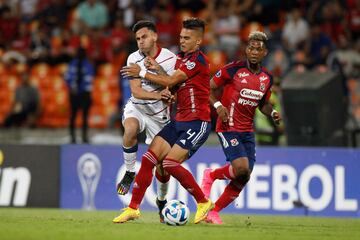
203,210
127,215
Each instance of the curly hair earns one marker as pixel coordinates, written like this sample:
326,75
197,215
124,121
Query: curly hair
258,36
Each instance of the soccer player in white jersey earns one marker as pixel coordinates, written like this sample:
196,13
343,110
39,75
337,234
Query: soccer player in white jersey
147,109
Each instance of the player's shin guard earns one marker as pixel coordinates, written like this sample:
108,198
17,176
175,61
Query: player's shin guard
143,178
130,157
224,172
162,185
185,178
230,193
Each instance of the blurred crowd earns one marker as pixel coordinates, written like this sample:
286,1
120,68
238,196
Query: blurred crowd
304,31
303,34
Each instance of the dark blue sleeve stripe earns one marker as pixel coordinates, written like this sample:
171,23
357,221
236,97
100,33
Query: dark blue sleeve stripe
232,70
201,59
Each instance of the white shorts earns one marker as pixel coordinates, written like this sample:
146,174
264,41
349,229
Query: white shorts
147,123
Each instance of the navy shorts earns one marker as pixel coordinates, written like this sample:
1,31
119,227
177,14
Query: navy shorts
238,144
188,135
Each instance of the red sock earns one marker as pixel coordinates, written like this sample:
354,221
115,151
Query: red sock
163,179
185,178
224,172
143,178
230,193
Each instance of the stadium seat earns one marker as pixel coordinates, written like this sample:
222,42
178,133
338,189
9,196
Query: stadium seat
40,70
106,70
59,70
3,70
11,82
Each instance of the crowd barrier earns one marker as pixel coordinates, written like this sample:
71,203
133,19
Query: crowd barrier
286,181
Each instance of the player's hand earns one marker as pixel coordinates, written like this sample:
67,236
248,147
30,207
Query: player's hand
165,95
132,70
276,117
223,113
151,64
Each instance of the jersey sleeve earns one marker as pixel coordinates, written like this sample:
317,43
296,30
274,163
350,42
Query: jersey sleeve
221,77
190,68
130,59
267,94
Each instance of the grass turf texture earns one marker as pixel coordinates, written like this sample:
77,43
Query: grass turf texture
20,223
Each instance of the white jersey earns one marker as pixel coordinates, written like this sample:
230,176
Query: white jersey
153,108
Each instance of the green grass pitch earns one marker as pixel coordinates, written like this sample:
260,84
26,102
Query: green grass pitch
25,223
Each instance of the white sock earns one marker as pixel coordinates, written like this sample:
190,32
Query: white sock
162,189
130,157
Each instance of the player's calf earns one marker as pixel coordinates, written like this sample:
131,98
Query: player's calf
242,176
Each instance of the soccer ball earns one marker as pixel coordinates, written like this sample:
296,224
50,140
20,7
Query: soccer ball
176,213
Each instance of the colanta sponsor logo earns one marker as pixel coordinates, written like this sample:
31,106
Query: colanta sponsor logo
252,94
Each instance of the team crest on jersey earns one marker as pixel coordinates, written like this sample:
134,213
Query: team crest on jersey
218,74
190,65
263,78
262,86
234,142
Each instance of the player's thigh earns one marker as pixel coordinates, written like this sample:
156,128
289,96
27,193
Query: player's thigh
192,136
133,121
248,140
178,153
160,147
131,127
236,150
152,128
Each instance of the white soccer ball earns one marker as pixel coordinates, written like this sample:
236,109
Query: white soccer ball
176,213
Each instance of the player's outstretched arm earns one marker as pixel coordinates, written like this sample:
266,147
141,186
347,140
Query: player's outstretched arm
268,110
133,70
138,92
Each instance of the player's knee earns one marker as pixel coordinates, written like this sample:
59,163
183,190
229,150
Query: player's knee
242,175
130,132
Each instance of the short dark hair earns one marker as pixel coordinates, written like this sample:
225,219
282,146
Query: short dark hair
144,24
194,24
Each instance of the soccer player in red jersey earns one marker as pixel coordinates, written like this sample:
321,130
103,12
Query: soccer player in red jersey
182,137
246,85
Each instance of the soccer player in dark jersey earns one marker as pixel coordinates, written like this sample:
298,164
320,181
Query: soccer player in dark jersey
246,85
182,137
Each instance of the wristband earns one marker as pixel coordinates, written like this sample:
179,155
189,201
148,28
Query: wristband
217,104
142,73
273,112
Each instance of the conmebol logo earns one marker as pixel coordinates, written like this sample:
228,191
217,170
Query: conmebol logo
252,94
